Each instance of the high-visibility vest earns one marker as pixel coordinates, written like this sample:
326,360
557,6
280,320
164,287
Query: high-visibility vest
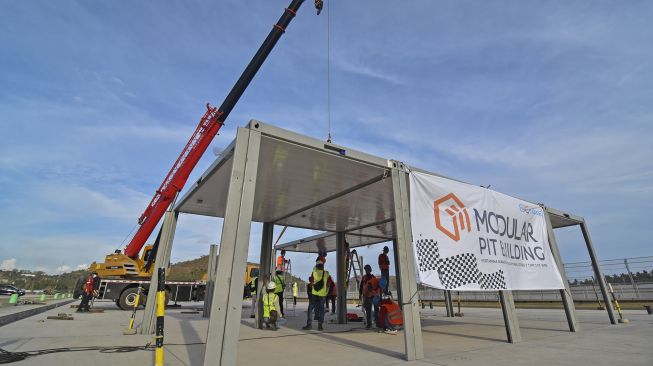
280,262
323,291
269,301
278,280
294,289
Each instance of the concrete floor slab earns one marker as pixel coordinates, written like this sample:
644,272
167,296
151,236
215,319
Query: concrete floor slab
477,339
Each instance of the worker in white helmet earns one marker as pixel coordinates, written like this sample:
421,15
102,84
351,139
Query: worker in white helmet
270,306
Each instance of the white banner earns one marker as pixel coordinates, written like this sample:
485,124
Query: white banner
471,238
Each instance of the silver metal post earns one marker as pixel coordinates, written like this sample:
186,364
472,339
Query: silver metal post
162,260
341,273
510,316
598,273
414,348
264,271
630,275
210,281
565,293
226,308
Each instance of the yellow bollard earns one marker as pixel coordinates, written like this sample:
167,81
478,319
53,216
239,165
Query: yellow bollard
160,309
13,299
616,305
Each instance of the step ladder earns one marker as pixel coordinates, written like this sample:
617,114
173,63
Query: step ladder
287,294
355,267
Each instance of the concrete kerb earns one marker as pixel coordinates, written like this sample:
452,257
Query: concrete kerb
10,318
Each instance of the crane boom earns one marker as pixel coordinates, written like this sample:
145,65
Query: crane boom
207,128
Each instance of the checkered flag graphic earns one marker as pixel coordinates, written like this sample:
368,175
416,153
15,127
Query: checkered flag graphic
458,270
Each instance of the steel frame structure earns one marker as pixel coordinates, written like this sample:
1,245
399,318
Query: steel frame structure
239,202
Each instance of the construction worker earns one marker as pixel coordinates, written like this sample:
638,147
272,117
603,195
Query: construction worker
319,282
331,296
280,286
281,261
253,285
384,266
295,292
270,305
369,289
87,293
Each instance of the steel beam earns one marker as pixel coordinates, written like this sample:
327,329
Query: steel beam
162,259
341,280
409,302
565,293
598,273
210,282
510,316
226,307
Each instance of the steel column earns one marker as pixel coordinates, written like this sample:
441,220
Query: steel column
414,348
448,303
162,260
598,273
264,271
210,281
565,293
395,252
510,316
341,280
226,307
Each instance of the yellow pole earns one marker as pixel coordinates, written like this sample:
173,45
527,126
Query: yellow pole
136,304
160,309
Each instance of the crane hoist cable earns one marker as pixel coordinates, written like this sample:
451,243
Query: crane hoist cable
328,72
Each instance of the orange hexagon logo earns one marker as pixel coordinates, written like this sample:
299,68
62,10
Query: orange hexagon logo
451,216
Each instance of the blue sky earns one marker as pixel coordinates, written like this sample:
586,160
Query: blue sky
547,101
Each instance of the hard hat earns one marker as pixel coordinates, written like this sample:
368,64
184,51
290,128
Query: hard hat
272,286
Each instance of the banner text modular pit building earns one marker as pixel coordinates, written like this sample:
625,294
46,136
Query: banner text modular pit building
278,177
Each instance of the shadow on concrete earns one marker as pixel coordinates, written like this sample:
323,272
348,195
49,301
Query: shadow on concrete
360,345
465,336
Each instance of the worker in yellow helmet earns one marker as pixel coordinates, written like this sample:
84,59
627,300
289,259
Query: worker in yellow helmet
270,306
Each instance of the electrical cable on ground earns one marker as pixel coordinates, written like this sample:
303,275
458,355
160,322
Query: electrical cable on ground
9,357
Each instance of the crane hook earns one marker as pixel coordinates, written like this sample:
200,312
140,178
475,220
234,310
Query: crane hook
319,4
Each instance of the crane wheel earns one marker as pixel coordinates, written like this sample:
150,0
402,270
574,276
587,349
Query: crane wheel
128,298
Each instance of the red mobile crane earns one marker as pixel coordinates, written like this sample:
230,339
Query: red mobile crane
129,264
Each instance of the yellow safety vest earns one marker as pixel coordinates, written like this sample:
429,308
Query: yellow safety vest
294,289
269,301
323,291
278,280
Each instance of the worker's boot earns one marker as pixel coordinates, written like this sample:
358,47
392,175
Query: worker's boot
319,327
307,327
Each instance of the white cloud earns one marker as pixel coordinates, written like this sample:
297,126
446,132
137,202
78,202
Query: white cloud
63,269
8,264
82,266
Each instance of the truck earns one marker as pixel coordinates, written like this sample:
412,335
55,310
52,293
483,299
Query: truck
123,271
123,291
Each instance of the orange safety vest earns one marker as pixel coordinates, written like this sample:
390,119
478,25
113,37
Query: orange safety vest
280,261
